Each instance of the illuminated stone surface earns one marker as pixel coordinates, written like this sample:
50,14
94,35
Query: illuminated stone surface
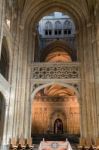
20,40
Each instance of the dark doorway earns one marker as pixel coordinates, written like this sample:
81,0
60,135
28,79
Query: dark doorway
58,126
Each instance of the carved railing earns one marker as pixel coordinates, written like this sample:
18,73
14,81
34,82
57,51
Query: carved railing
55,70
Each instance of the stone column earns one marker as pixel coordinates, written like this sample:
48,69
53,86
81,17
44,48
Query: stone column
23,99
20,84
96,58
95,44
88,105
25,84
14,104
33,45
5,142
28,101
91,76
35,48
80,49
2,14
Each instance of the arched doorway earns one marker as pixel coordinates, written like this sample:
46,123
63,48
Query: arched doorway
60,101
2,116
58,126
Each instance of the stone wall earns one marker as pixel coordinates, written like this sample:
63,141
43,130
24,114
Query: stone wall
17,90
46,111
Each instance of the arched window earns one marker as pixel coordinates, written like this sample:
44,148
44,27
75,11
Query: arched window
48,28
67,24
58,25
48,25
58,28
4,60
67,27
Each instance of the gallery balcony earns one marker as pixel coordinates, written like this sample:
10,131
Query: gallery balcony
55,71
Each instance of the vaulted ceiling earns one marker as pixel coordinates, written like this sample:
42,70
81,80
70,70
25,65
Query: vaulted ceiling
86,8
56,91
88,5
32,11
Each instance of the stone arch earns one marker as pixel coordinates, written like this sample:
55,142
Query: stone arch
48,25
55,124
47,7
58,25
48,28
33,12
59,83
9,45
32,16
58,44
56,114
67,24
5,58
59,112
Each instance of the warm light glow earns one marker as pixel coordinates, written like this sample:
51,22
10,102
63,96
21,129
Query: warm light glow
54,102
58,90
58,56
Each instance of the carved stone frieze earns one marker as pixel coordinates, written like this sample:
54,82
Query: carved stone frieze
55,71
52,99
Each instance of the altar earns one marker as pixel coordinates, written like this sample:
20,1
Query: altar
55,145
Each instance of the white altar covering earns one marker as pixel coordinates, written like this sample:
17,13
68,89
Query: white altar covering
55,145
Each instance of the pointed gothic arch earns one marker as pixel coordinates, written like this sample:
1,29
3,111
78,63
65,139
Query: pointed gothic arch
53,46
38,106
52,83
58,126
4,61
48,25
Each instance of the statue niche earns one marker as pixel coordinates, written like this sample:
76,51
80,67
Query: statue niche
58,126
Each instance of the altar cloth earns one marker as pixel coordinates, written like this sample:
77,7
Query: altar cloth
55,145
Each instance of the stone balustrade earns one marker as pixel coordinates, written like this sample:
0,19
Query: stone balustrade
55,70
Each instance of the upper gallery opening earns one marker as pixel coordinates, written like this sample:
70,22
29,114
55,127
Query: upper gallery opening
56,25
54,28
